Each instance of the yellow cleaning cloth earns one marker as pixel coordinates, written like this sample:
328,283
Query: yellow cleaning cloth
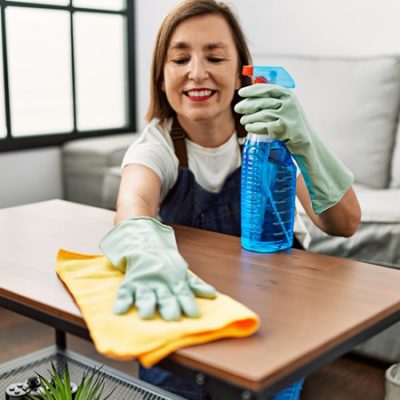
93,282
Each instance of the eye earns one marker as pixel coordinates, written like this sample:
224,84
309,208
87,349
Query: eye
180,61
216,60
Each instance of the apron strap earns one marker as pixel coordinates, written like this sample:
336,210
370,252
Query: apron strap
178,136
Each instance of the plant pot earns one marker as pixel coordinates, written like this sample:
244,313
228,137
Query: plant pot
392,376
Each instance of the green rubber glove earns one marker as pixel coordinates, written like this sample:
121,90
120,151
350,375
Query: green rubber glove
274,110
156,275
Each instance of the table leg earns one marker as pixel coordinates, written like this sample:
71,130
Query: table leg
61,339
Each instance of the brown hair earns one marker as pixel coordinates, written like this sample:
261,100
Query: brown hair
159,106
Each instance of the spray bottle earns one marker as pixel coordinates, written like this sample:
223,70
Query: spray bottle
268,182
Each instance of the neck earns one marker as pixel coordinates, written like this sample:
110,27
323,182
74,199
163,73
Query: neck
208,133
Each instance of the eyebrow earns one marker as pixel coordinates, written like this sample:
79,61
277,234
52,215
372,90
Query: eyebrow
209,46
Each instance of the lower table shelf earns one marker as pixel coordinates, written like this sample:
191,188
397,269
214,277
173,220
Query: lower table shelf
124,387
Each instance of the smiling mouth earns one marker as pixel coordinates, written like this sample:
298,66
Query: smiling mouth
199,95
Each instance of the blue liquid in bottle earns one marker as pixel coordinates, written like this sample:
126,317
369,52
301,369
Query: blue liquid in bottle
268,192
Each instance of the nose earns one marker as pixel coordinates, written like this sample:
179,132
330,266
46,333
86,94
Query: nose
198,70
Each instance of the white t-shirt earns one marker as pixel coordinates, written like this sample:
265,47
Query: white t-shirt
210,166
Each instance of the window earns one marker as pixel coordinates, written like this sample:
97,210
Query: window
99,53
39,71
116,5
59,2
3,126
66,70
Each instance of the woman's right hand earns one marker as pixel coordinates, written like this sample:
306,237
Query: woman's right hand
156,275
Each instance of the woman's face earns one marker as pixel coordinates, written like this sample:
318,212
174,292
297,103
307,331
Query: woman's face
201,69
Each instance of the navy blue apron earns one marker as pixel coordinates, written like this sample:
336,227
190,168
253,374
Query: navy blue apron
189,204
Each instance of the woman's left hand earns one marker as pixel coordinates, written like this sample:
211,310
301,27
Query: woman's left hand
275,111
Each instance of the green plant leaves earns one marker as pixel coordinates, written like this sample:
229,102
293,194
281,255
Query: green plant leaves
91,387
58,387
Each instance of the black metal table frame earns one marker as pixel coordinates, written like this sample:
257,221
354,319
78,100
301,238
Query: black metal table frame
219,389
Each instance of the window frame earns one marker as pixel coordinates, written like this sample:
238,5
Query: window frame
9,142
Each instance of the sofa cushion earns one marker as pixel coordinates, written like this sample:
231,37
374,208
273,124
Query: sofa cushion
377,239
395,176
380,206
353,103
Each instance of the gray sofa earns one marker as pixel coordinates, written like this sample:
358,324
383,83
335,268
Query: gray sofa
354,104
91,169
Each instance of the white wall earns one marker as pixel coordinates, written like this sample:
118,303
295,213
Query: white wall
329,27
29,176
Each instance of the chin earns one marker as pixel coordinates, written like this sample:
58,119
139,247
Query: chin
199,116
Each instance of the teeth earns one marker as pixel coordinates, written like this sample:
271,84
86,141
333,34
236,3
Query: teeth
199,93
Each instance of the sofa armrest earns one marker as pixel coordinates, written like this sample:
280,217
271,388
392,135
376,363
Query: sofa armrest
112,179
377,239
86,162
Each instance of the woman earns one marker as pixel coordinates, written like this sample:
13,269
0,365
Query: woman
186,166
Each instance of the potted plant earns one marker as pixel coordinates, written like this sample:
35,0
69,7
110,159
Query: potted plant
60,387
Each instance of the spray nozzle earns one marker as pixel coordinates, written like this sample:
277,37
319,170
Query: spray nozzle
263,74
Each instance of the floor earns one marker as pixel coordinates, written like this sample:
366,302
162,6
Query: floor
348,378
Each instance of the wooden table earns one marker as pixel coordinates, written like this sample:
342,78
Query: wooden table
313,308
